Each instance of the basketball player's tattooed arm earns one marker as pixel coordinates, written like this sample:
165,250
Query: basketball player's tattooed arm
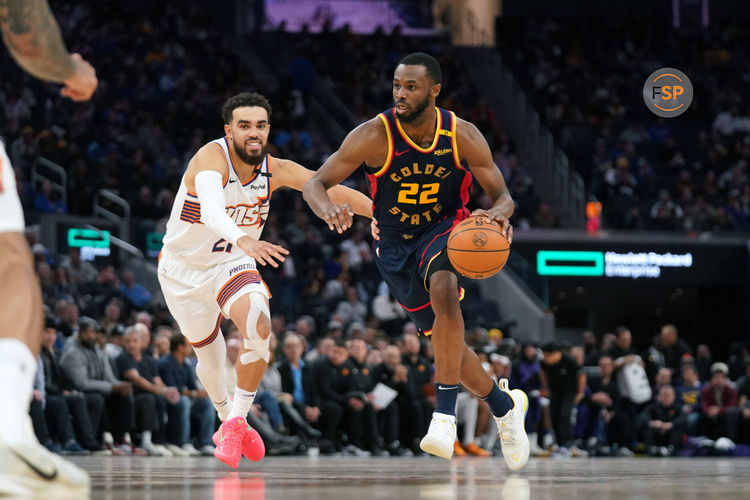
33,38
473,147
287,173
365,144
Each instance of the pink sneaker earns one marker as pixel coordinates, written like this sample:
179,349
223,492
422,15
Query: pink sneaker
228,441
253,447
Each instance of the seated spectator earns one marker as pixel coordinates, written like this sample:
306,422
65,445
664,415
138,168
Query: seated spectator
151,394
89,371
332,378
689,396
323,348
674,348
609,425
389,313
525,376
51,419
720,414
299,392
665,424
85,409
176,372
136,296
364,431
420,374
392,373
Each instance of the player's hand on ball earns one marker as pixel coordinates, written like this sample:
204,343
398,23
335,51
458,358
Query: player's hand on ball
338,217
374,230
493,216
262,251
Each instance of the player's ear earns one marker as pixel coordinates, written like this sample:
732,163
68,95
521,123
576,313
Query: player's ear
436,89
227,130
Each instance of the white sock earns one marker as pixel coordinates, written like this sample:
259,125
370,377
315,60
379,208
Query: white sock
223,408
145,438
211,371
243,400
17,369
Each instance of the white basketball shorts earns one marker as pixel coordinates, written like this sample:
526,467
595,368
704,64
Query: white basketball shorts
197,297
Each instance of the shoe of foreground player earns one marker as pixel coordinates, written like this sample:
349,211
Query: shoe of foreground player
440,436
510,428
29,470
253,447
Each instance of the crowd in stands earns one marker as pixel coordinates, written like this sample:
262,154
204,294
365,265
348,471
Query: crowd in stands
586,78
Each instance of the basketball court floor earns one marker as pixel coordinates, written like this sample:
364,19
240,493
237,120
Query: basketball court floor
330,478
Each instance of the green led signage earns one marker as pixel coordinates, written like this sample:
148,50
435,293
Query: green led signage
79,238
569,263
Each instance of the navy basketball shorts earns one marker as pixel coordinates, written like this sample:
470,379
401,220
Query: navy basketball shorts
407,264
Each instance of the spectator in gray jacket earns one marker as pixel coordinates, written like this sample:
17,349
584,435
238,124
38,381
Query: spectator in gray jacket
87,368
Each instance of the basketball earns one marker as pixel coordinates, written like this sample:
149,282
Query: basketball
477,248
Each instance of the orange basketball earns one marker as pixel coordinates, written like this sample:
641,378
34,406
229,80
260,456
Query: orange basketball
477,248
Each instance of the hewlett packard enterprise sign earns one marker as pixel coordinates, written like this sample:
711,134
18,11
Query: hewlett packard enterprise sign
609,264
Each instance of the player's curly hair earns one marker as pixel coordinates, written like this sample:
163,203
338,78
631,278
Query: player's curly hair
242,100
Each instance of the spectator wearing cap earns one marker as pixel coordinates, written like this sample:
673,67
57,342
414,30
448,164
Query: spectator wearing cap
719,410
86,410
335,329
564,383
87,368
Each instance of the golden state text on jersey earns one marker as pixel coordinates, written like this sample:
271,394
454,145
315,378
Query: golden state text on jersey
418,187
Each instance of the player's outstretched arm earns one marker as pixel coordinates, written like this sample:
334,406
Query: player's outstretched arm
33,38
473,147
205,176
365,144
287,173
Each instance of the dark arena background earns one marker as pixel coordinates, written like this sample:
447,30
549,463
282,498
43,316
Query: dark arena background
631,242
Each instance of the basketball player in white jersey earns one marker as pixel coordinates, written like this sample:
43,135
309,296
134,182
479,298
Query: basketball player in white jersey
208,264
26,468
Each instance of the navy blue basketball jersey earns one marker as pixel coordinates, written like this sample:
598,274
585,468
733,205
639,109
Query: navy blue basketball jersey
417,188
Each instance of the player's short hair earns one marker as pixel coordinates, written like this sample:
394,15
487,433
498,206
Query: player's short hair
249,99
429,63
176,341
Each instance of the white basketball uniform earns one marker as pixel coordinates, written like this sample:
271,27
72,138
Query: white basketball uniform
11,213
200,273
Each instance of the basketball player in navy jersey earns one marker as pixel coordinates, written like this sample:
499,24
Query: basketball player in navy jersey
420,161
27,469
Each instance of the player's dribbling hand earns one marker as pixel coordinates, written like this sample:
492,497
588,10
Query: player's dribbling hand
81,86
338,217
493,216
262,251
374,230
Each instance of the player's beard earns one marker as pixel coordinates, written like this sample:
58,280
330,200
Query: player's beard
409,118
248,158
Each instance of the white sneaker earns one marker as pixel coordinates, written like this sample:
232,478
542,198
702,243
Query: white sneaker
510,428
177,451
190,449
207,450
151,449
163,451
440,436
29,470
